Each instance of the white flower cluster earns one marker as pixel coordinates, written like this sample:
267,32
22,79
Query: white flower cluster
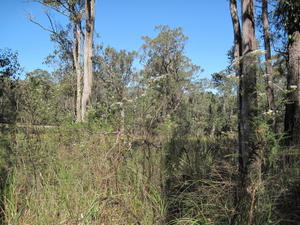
293,87
269,112
232,75
158,78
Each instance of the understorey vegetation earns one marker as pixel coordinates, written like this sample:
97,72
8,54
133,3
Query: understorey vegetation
119,137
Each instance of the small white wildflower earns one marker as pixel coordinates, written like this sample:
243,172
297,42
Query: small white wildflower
159,77
257,52
117,103
269,112
293,87
231,76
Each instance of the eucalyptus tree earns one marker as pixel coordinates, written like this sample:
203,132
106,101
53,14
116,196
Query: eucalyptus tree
288,15
268,58
237,53
167,71
114,71
249,157
80,48
236,29
88,54
226,85
10,70
163,87
37,102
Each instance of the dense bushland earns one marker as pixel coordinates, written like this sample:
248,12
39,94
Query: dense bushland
158,145
86,174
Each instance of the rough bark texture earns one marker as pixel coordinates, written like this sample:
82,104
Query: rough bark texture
237,54
268,58
292,117
249,160
88,53
249,94
236,29
76,58
238,68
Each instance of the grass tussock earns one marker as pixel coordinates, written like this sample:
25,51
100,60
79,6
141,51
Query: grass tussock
76,176
86,174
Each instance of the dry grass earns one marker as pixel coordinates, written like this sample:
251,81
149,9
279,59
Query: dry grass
76,179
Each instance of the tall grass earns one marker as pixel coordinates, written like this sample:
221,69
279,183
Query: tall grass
86,174
76,175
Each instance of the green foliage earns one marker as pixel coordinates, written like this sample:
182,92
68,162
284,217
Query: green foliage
159,146
10,71
74,174
167,72
9,64
288,14
113,74
38,99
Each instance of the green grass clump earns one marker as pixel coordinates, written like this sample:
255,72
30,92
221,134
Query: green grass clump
78,177
86,174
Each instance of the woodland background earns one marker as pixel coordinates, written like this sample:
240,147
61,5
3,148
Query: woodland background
98,141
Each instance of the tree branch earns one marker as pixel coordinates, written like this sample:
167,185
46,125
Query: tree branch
52,7
31,19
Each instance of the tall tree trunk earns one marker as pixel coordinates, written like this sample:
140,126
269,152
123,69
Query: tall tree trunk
249,160
268,58
236,29
88,53
76,58
292,115
250,157
237,54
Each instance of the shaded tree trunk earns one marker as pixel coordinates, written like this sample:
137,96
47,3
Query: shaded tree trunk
88,53
250,167
292,114
268,58
249,160
237,54
236,29
76,58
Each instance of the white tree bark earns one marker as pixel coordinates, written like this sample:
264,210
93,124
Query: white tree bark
76,58
88,54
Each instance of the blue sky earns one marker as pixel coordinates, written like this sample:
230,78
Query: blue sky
121,23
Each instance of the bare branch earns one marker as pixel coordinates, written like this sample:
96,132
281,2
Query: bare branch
51,22
33,20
